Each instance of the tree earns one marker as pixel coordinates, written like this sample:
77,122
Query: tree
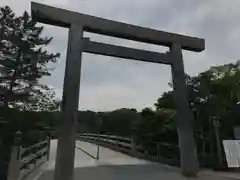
23,61
166,101
42,102
23,58
213,94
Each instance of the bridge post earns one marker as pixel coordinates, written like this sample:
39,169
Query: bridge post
49,144
98,139
64,168
184,117
14,164
133,140
158,151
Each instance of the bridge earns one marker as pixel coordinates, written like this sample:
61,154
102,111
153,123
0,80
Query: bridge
97,157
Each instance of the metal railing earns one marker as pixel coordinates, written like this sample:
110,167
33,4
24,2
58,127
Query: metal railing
25,160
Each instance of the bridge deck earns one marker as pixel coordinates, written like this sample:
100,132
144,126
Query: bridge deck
115,166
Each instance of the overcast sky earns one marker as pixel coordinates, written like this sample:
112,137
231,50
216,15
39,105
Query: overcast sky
109,83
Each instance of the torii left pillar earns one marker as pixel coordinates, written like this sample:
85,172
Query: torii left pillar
64,167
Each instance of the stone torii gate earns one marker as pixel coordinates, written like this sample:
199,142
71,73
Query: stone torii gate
77,24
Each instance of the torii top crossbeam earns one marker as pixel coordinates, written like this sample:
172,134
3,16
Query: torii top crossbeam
64,18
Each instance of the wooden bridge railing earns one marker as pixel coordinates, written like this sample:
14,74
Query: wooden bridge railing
109,139
25,160
159,151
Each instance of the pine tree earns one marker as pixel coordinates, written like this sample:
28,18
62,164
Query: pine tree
23,61
23,58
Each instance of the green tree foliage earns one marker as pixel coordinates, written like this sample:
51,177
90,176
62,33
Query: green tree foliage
119,122
213,93
23,58
44,102
166,101
23,61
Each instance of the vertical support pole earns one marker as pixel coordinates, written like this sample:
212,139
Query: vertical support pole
216,126
133,140
99,133
133,143
49,145
64,168
98,139
158,151
14,164
184,117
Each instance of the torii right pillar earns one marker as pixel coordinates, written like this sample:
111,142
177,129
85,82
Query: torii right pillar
184,116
